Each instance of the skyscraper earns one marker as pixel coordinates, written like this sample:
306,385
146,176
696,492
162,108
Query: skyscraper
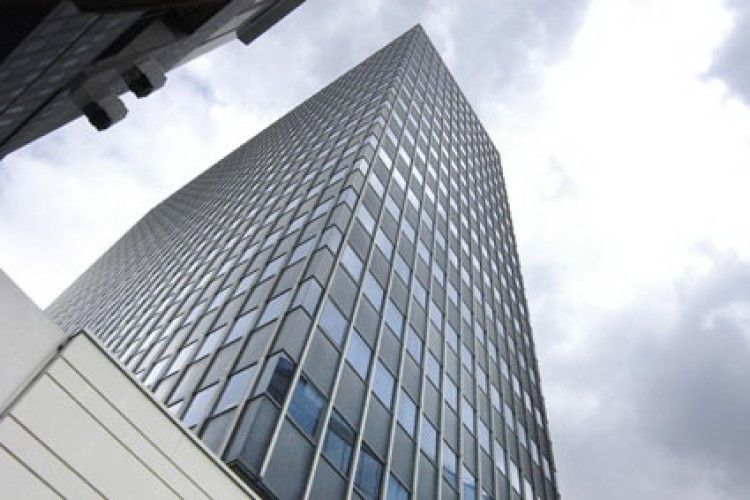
336,307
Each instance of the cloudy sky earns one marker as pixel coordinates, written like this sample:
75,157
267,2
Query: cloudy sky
623,127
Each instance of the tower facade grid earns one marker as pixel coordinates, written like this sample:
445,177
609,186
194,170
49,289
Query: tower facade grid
336,308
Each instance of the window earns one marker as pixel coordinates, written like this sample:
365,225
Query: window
396,490
272,268
308,296
467,415
467,359
420,293
385,245
394,319
219,299
414,345
369,473
407,413
495,397
339,442
241,326
306,406
482,379
273,309
514,475
500,457
351,262
382,384
436,315
359,354
181,359
155,371
366,219
236,387
373,291
302,251
451,337
277,376
245,284
470,485
332,322
484,437
450,393
432,367
428,438
198,406
402,269
450,465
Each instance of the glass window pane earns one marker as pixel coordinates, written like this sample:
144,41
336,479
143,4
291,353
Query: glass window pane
306,406
241,326
359,354
470,485
373,291
182,358
396,490
428,438
211,342
236,387
467,415
450,465
407,413
281,376
273,309
394,318
414,345
432,367
339,441
382,384
352,262
450,393
333,322
369,473
199,406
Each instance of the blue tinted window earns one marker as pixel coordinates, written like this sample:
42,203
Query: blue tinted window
396,490
339,442
369,473
306,406
281,370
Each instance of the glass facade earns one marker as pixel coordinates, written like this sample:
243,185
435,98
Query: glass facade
336,307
